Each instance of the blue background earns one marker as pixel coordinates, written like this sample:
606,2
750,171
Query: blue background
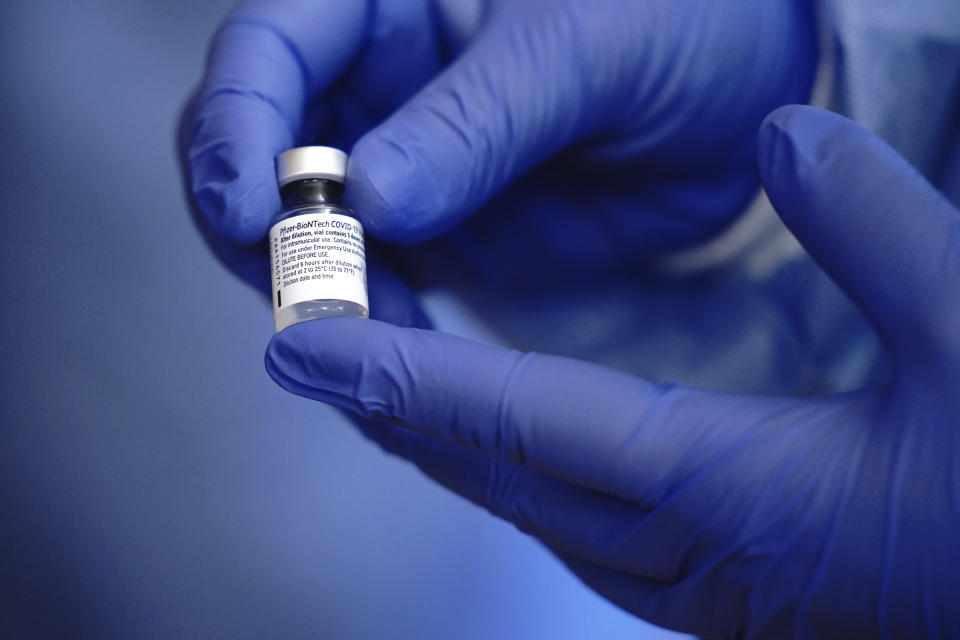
154,482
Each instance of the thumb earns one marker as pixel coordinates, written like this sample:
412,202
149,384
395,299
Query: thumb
508,102
888,238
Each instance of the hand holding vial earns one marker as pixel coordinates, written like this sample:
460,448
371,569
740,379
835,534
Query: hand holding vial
610,130
718,514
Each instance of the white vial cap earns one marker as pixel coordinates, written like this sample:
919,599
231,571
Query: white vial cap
304,163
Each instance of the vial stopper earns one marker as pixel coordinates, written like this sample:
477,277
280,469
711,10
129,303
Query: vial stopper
304,163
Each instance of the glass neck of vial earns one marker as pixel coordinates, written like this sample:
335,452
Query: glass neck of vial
311,191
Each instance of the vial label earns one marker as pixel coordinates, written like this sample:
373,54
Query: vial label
318,256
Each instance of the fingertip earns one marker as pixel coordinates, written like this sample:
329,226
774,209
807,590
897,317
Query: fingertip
344,362
231,156
780,117
303,356
797,147
279,351
293,357
768,135
395,193
238,209
326,347
804,137
774,142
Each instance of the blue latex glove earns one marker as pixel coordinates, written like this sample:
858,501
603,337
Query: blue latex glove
639,118
718,514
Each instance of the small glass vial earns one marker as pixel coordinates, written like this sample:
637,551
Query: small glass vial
317,258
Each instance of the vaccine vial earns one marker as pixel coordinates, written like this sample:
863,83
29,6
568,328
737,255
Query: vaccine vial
317,259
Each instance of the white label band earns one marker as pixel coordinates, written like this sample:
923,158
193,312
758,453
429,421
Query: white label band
318,256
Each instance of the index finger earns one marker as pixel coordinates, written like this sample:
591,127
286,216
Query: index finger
576,421
264,63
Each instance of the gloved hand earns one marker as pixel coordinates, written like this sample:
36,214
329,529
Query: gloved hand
639,117
717,514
